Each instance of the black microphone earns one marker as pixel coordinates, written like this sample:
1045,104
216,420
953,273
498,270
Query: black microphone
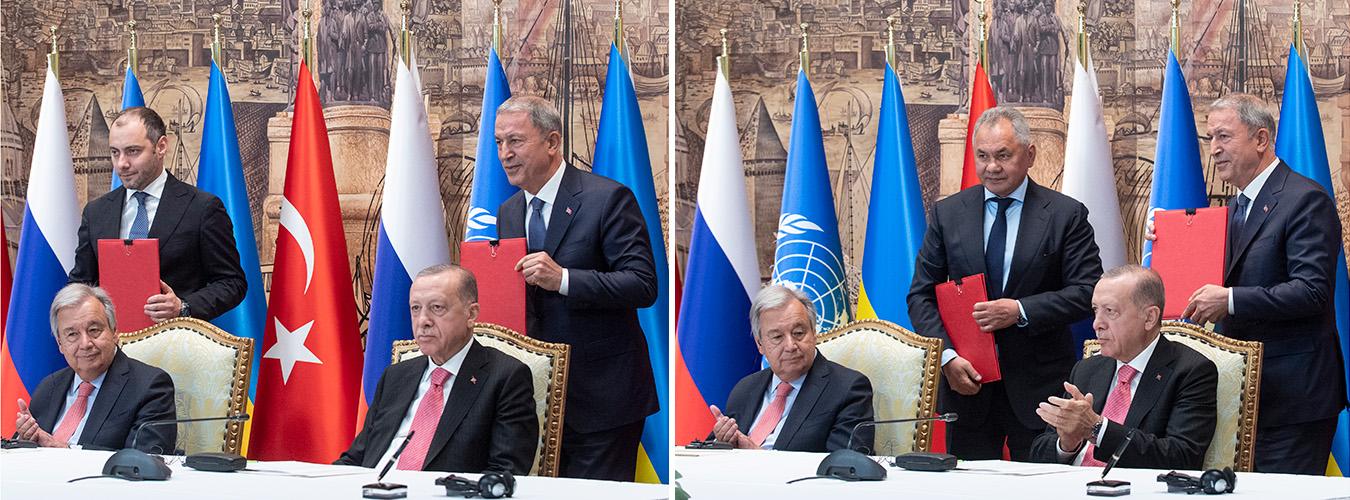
135,465
850,465
136,432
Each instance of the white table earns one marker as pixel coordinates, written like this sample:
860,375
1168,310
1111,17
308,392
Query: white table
42,474
743,474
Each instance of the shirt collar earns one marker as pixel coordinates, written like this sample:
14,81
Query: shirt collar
452,365
156,187
1140,362
549,192
795,383
1019,194
97,382
1254,188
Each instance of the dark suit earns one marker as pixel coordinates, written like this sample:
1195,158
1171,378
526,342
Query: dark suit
1054,268
1280,268
489,421
596,231
832,400
132,393
197,256
1173,409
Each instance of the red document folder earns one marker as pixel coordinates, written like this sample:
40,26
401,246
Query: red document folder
501,290
129,271
1189,252
956,303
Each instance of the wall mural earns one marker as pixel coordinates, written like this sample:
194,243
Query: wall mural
1030,49
355,60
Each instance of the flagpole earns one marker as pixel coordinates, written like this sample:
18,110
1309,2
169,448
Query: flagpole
305,41
1176,27
982,37
133,54
724,60
618,28
1298,27
497,27
404,36
805,54
54,57
1082,34
215,39
890,41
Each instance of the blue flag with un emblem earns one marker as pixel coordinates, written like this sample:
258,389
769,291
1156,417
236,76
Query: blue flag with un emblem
808,255
490,186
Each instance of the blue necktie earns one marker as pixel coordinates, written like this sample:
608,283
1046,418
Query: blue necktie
1239,218
537,230
140,226
995,249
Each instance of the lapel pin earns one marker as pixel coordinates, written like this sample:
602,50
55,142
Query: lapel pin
474,380
1265,208
1159,376
569,210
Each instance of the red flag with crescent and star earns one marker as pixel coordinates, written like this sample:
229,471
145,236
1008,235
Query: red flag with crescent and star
310,374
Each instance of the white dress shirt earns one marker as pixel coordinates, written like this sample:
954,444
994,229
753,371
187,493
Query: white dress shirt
129,204
548,193
1139,363
1253,188
452,365
73,392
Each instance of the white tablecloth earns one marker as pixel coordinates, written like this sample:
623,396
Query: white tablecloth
42,474
743,474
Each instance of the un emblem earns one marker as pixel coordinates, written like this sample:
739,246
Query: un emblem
482,222
803,263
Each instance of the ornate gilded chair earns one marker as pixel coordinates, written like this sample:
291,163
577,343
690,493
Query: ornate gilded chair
1239,392
547,361
904,368
210,370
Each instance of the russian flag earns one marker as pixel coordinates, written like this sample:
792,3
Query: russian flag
714,347
51,223
412,227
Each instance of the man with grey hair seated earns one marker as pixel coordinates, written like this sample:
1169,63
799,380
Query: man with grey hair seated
103,394
1160,391
802,401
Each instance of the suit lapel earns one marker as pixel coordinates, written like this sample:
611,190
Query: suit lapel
173,203
54,403
1030,231
746,413
1099,384
108,394
468,382
973,204
1155,376
511,220
565,205
1257,213
107,216
806,400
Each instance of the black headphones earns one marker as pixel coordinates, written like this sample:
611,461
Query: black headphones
491,485
1212,482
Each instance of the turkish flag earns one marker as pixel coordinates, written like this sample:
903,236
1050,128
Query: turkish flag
981,99
310,374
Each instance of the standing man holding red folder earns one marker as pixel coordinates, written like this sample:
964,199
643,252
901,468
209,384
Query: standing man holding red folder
1283,239
588,270
1036,250
199,269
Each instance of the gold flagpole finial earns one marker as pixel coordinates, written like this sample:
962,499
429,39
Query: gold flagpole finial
133,54
405,36
805,54
305,40
1298,26
890,40
618,26
215,39
54,57
980,32
1176,27
497,26
1082,33
724,60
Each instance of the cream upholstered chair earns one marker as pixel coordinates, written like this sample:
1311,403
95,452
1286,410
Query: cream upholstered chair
210,371
548,363
903,367
1239,392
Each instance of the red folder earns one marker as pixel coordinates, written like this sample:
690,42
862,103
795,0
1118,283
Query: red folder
501,290
956,301
1189,252
129,271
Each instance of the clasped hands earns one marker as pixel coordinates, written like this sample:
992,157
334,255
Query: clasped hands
1072,418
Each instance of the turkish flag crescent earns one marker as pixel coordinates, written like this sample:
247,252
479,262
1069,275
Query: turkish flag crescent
310,374
981,99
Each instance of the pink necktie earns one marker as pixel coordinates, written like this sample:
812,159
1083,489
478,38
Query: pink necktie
75,414
424,422
769,421
1117,406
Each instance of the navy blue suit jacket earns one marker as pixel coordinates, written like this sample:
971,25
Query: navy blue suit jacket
132,393
833,399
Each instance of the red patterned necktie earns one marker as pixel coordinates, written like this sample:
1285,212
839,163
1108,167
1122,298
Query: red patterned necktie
769,421
424,422
1117,406
75,414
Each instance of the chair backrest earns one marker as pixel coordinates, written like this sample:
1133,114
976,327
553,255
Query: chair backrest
210,370
1239,390
548,363
903,367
